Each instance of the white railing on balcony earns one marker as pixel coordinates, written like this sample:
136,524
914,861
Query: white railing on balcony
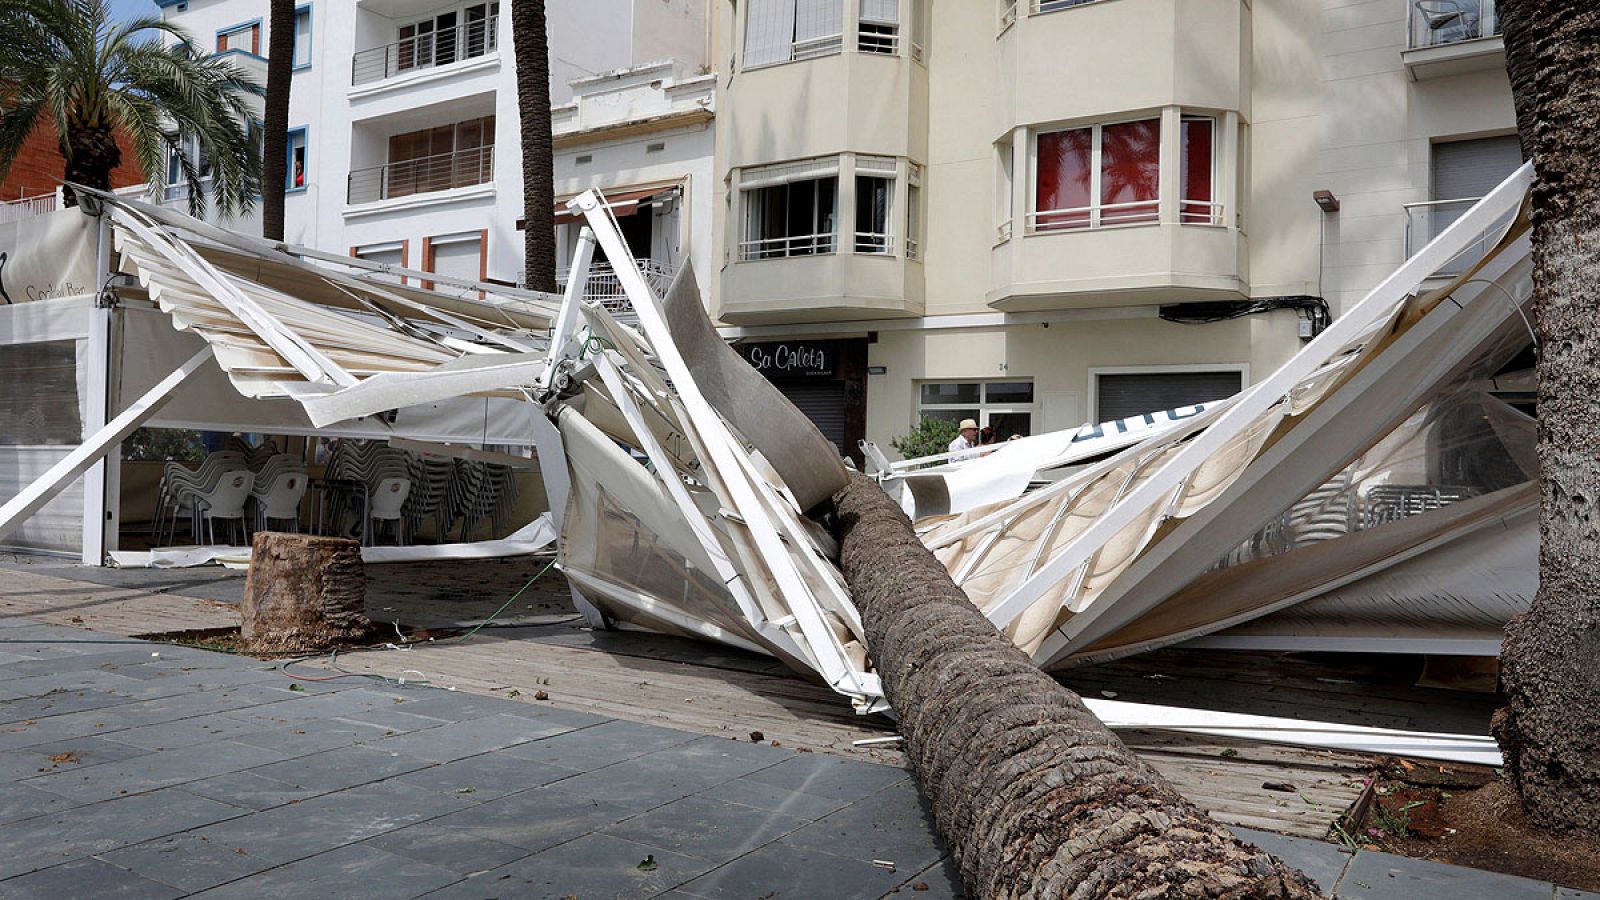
878,38
1110,215
1008,14
605,288
425,51
1045,6
785,247
1435,23
1426,221
28,207
425,175
876,243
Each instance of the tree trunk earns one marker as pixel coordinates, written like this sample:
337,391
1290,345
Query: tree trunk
1034,795
532,46
275,118
303,592
1549,729
91,152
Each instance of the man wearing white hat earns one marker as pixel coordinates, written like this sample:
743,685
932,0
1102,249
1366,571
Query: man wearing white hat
966,443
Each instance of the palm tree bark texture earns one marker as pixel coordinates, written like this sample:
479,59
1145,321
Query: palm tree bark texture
530,39
275,118
1034,795
1549,729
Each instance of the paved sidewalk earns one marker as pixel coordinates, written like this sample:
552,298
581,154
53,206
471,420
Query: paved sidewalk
146,771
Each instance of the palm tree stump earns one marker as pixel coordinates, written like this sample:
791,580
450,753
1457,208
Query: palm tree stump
1034,795
303,592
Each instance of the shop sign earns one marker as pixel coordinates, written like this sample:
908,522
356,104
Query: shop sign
792,359
47,256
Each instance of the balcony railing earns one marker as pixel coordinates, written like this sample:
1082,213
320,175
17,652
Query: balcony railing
1426,221
785,247
1045,6
1109,215
425,51
425,175
604,288
873,242
28,207
1435,23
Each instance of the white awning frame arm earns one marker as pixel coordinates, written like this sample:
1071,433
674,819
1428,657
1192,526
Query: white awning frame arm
570,316
1255,401
95,447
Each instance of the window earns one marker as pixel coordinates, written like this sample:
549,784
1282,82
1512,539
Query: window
302,37
1122,395
789,209
189,161
1198,172
1046,6
392,254
455,255
913,211
1008,14
1004,406
245,38
433,159
295,172
447,37
779,31
47,412
874,200
919,30
1005,191
879,28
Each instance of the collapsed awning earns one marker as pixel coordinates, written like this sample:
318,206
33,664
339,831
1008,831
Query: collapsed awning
624,203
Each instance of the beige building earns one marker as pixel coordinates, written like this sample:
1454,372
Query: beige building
1041,212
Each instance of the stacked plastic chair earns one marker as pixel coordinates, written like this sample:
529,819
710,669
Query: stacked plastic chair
480,491
180,485
279,487
369,482
430,486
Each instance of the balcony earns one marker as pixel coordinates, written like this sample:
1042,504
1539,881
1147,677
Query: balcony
422,52
1450,37
605,288
28,207
1426,221
425,175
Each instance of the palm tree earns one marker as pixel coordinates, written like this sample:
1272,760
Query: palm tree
69,63
1549,729
531,42
275,117
1035,796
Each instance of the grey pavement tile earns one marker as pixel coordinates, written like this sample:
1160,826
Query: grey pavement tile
356,871
344,767
454,706
484,777
18,802
154,771
1321,861
190,861
746,792
249,790
469,738
1383,875
600,745
710,829
648,781
940,881
129,715
297,708
187,732
536,819
458,851
313,737
72,753
99,827
85,878
288,833
893,824
56,703
780,871
830,776
593,866
392,720
1566,893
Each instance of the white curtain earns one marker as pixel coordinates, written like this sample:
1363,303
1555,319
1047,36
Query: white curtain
886,12
769,31
814,19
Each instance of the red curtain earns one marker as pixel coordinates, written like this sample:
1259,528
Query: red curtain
1198,162
1130,171
1065,159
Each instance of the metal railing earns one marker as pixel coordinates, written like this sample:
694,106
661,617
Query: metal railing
1110,215
1435,23
425,51
874,37
425,175
816,48
1426,221
605,288
28,207
785,247
874,242
1047,6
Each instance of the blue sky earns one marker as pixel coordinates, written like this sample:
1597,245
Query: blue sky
128,9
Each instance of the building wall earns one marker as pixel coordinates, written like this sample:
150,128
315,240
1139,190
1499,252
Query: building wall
39,167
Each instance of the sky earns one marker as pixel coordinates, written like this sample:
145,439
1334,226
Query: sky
128,9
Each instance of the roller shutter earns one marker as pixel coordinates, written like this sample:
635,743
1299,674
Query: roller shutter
1470,169
823,404
1131,394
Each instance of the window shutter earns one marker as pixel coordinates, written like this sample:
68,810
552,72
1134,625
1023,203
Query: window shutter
817,19
886,12
1464,170
1136,393
769,31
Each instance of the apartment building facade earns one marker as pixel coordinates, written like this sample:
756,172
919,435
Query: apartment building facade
404,135
1037,213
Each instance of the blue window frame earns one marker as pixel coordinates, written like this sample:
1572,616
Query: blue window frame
302,37
297,173
244,37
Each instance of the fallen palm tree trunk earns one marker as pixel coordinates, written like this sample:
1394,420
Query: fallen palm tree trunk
1035,796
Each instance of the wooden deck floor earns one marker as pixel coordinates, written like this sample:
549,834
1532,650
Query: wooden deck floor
709,689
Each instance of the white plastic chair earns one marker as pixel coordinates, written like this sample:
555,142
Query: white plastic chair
386,503
223,501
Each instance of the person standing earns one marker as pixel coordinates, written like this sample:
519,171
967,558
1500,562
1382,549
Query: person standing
965,444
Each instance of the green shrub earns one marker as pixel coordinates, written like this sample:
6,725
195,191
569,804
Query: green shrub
929,437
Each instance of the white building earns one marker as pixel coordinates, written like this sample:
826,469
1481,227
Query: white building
404,131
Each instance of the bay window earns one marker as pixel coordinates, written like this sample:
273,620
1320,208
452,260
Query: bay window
789,209
874,199
913,211
879,28
1110,174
